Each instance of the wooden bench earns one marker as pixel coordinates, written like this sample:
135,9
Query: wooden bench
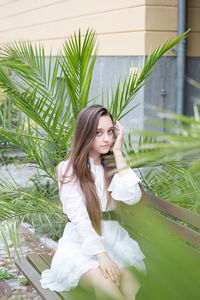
34,264
183,222
31,267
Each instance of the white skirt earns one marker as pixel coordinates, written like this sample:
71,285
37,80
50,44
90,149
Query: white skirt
69,263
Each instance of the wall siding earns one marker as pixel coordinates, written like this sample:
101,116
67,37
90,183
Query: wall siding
104,23
50,22
161,24
124,27
193,45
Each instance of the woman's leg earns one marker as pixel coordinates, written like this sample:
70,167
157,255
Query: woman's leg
95,278
129,285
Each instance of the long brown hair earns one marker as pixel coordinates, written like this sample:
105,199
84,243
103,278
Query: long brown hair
84,134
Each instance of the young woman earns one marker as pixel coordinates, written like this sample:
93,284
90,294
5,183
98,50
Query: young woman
94,249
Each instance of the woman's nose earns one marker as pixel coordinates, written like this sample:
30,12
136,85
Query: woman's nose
105,137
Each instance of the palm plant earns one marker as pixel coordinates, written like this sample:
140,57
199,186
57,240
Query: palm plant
49,97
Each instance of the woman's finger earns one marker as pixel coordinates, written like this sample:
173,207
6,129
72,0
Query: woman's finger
114,276
120,130
104,273
117,270
116,279
110,273
109,276
117,273
119,125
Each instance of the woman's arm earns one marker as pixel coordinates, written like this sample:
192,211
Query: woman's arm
117,151
124,185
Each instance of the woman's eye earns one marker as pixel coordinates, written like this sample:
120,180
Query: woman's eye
98,132
110,131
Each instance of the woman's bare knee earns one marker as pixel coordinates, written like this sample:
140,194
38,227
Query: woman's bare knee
127,274
129,283
94,278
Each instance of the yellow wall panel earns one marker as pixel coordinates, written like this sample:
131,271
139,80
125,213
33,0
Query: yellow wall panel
193,45
162,2
194,19
55,22
50,21
12,8
132,19
153,39
193,3
161,18
48,10
162,21
193,41
120,44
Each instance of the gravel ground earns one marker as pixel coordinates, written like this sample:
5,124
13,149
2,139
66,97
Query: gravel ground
29,242
20,173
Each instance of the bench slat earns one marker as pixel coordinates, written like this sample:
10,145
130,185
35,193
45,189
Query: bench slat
187,234
39,264
41,260
174,210
47,258
34,277
184,232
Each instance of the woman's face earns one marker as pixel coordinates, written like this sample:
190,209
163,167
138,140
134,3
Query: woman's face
104,136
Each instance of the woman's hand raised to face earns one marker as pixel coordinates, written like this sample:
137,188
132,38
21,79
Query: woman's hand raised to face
117,147
108,267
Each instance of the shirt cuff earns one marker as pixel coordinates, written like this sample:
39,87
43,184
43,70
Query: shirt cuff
123,187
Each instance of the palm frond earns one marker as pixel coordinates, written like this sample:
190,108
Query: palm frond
43,92
77,64
118,100
18,203
41,96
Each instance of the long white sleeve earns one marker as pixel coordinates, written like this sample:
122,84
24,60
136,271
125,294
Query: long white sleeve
126,188
74,207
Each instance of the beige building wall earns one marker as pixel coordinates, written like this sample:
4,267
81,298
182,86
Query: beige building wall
161,22
124,27
120,24
193,48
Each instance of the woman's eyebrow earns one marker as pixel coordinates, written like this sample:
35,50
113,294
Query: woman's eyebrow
112,127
